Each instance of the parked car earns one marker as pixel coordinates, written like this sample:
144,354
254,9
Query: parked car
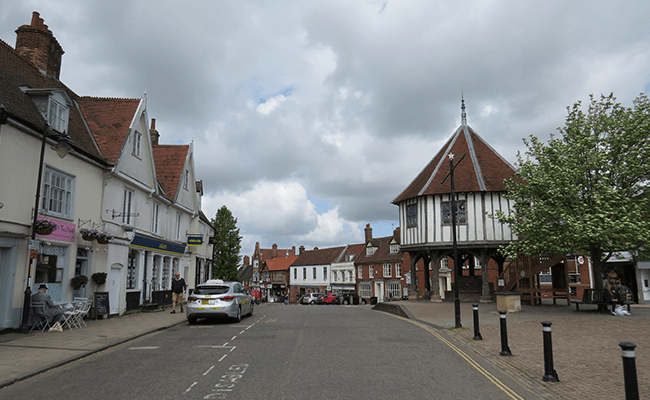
311,298
329,299
351,298
218,299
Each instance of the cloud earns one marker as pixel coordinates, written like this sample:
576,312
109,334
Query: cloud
309,118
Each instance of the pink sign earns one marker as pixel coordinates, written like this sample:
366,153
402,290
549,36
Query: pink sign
65,231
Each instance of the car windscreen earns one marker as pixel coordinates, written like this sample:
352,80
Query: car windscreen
211,289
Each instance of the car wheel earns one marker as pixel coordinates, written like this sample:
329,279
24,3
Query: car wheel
192,321
312,302
250,314
345,302
238,317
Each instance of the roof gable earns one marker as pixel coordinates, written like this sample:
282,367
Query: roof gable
481,170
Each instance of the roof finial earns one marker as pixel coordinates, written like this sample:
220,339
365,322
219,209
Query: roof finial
463,115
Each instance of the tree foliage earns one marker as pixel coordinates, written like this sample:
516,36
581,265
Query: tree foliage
586,190
227,245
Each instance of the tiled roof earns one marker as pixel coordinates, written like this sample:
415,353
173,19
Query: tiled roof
382,253
481,170
170,160
355,250
280,264
109,120
17,72
319,256
267,254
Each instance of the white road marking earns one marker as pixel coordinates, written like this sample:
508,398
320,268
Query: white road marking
224,356
219,347
190,388
209,369
233,338
144,348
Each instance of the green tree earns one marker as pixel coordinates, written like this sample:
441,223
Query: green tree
227,245
586,190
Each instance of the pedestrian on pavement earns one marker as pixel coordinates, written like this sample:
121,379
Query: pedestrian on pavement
178,288
53,313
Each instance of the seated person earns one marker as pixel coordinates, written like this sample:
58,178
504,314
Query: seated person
53,312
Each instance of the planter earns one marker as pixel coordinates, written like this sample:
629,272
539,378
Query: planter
102,240
88,238
44,231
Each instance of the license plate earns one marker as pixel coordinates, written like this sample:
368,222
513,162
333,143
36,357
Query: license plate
205,302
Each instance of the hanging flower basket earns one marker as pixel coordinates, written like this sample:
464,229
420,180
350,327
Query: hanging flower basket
44,227
103,237
88,234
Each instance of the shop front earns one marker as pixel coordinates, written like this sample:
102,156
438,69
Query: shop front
153,262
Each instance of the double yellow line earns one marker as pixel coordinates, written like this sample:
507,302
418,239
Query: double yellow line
467,358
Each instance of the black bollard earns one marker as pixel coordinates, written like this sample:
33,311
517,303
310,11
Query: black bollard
505,350
549,373
629,371
477,334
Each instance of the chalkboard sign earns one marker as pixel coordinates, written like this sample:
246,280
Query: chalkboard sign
102,306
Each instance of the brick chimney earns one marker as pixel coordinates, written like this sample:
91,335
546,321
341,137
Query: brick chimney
36,44
153,132
247,260
368,232
301,249
274,251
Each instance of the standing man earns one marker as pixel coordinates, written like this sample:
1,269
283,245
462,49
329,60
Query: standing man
178,288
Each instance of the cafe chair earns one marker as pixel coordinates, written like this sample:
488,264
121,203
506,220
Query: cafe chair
83,311
40,319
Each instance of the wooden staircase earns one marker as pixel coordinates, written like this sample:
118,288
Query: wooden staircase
521,275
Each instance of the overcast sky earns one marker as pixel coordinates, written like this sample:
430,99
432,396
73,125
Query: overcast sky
310,117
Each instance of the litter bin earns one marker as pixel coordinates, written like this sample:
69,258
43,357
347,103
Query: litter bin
373,300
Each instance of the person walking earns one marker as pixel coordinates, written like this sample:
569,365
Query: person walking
178,288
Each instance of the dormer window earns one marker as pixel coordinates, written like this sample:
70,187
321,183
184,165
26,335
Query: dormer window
57,115
53,105
370,251
394,248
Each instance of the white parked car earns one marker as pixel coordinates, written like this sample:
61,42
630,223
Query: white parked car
217,299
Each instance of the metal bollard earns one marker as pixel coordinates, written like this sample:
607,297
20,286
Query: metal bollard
505,350
629,371
477,334
549,373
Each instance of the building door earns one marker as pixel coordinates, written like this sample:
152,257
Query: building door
379,290
645,285
7,271
114,290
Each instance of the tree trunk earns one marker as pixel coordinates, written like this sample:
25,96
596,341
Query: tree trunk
596,260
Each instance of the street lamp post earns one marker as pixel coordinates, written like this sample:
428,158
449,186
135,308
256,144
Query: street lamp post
454,240
62,149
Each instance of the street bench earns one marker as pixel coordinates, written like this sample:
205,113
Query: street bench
595,296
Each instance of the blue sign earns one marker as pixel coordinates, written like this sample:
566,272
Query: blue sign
195,240
158,245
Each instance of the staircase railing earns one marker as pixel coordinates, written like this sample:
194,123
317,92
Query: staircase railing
529,265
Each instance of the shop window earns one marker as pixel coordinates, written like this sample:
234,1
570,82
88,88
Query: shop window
132,270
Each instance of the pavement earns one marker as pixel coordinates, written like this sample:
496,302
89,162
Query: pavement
586,354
